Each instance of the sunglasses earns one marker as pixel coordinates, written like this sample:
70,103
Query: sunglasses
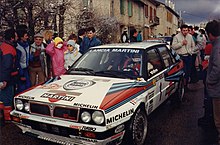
69,45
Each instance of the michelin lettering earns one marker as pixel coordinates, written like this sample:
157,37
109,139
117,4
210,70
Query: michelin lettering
120,116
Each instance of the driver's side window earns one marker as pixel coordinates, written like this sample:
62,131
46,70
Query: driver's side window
154,64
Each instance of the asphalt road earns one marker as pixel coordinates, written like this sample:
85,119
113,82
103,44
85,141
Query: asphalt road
167,125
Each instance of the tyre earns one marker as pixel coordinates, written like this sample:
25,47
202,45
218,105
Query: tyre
177,97
136,132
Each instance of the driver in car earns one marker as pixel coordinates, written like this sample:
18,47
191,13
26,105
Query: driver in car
133,64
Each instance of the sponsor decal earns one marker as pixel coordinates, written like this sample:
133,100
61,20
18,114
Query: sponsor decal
169,90
64,92
133,102
55,140
101,80
49,86
57,97
50,120
86,139
120,116
116,50
101,50
120,128
150,95
126,50
153,71
24,117
26,97
85,105
75,127
150,106
86,128
78,84
159,78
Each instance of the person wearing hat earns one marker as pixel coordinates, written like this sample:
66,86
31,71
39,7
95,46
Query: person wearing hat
71,55
38,66
124,36
56,51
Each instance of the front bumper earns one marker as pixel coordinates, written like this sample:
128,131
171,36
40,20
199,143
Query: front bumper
62,134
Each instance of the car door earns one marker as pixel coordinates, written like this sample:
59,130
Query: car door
154,71
168,60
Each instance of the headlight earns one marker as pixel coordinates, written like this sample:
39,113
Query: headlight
98,117
19,104
86,117
26,107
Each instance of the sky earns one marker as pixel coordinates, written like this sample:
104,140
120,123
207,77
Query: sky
197,11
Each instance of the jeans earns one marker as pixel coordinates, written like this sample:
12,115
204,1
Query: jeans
187,65
216,112
7,95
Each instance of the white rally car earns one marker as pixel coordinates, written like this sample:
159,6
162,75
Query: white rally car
104,98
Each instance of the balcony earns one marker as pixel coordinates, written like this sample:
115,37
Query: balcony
154,21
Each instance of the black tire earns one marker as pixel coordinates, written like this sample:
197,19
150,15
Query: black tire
177,97
136,132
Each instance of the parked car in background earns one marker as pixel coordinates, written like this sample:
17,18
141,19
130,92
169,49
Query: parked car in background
168,39
158,40
104,98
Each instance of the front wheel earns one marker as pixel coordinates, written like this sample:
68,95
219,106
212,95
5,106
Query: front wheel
137,129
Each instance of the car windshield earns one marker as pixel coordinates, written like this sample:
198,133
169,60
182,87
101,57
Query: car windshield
111,62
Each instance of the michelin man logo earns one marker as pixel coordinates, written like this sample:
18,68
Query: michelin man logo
78,84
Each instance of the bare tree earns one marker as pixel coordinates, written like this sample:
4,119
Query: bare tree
35,14
105,26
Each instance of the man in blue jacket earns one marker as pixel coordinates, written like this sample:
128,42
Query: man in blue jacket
89,41
8,70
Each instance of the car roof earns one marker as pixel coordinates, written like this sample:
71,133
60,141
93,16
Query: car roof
138,45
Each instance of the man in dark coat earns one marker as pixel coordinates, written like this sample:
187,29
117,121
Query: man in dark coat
8,71
133,35
213,78
89,41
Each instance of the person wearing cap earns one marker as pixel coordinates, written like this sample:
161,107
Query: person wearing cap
38,67
124,36
56,51
71,55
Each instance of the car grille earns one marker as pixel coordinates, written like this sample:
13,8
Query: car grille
67,113
49,128
56,111
41,109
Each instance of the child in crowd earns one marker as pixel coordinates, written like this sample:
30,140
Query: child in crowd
74,38
71,55
56,51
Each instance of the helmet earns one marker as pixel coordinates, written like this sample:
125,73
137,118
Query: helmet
136,58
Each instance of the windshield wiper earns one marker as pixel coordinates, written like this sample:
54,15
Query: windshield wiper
115,73
86,70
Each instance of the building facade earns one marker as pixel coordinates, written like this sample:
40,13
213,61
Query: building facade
138,14
169,20
150,17
130,14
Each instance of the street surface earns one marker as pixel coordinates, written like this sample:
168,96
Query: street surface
167,125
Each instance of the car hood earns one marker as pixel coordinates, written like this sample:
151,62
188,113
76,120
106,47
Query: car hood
85,91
